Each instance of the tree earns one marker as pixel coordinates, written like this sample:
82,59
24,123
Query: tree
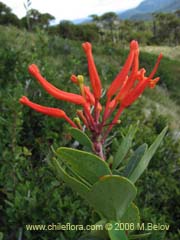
37,19
45,19
7,17
95,17
66,29
110,21
167,28
83,32
125,31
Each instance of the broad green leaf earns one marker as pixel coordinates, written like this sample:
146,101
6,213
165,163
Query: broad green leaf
72,182
139,236
87,165
116,172
1,236
81,137
71,171
111,196
115,234
124,147
131,216
143,163
134,160
100,231
89,237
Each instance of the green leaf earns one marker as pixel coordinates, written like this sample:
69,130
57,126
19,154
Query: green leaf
139,236
111,196
81,137
143,163
89,237
1,236
72,182
134,160
64,164
117,172
86,165
116,234
124,147
100,232
131,216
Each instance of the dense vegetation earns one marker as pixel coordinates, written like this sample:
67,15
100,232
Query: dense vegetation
164,28
29,192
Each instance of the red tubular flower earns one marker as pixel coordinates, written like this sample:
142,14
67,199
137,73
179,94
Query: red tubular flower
156,66
94,77
53,112
130,96
118,81
128,85
55,92
131,79
83,118
122,82
131,88
90,98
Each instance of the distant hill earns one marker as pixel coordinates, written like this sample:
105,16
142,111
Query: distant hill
82,20
145,9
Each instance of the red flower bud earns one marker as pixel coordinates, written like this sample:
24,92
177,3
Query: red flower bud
94,77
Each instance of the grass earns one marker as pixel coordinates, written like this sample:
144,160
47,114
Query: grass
159,99
170,52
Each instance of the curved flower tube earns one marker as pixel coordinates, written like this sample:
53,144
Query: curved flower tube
55,92
53,112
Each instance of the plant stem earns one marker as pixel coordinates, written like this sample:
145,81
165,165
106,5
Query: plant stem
98,145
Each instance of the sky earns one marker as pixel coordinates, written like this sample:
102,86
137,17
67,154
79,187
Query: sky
71,9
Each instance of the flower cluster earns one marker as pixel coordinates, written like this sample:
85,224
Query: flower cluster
128,85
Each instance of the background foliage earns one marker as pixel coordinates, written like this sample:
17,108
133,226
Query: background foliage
29,192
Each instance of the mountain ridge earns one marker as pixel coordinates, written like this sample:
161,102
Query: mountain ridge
148,7
143,11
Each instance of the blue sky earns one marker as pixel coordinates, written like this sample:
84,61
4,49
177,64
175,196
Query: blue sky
71,9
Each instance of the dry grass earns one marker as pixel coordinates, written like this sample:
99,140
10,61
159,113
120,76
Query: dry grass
170,52
164,105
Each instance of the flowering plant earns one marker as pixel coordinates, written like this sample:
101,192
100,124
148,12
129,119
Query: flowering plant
107,186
